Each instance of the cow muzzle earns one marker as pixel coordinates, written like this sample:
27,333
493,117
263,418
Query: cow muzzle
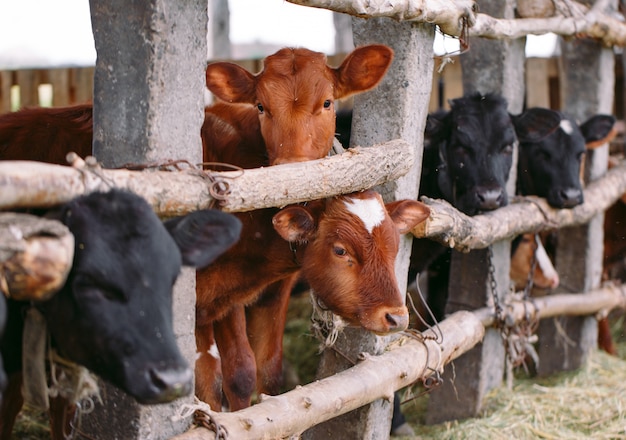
388,320
167,384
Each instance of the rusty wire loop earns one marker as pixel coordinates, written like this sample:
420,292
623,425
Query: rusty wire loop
204,419
218,185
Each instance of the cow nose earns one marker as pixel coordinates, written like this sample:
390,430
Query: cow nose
397,323
172,382
571,197
489,198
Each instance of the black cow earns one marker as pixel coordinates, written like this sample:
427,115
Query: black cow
549,163
114,314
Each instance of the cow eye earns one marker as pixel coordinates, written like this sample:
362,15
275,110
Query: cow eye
87,287
340,251
507,149
327,103
259,106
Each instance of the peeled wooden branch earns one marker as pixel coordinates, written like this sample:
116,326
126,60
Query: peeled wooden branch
406,361
449,15
602,27
35,256
573,304
455,229
574,20
32,184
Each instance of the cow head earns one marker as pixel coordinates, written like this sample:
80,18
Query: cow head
350,255
468,153
551,152
114,314
295,95
528,255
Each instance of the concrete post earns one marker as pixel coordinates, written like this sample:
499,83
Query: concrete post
587,87
490,66
397,108
148,106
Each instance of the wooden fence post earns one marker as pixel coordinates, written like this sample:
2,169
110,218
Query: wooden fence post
396,108
148,106
489,66
587,87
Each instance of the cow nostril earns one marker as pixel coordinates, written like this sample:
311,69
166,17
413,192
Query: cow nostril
571,197
172,380
489,199
397,322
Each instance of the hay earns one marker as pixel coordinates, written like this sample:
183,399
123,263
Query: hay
586,404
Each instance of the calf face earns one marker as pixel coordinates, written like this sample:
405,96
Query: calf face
114,315
468,154
551,151
293,97
350,255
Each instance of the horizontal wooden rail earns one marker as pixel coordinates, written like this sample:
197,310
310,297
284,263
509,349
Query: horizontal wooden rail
32,184
457,230
405,362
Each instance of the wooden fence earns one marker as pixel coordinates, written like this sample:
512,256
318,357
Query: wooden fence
73,85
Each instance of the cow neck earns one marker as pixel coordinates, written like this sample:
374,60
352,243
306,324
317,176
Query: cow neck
69,380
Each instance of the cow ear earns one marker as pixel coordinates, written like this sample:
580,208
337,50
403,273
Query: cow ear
204,235
231,83
535,124
434,125
294,224
598,130
362,70
406,214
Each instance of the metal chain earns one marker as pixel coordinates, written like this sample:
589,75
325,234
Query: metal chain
517,337
202,418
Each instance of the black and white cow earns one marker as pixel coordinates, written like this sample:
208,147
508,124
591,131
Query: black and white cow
549,164
114,313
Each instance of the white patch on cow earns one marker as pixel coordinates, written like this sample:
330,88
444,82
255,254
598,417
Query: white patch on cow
213,351
566,126
370,211
545,263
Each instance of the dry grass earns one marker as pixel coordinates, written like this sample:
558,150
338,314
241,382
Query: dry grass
587,404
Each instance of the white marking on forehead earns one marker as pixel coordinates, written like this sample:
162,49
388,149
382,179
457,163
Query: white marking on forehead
213,351
544,263
566,126
370,211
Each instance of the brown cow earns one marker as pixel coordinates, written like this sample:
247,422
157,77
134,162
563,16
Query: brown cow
284,114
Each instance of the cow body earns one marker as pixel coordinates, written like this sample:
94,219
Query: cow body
551,166
114,313
46,134
467,158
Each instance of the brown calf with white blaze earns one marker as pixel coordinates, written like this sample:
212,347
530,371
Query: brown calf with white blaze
344,246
